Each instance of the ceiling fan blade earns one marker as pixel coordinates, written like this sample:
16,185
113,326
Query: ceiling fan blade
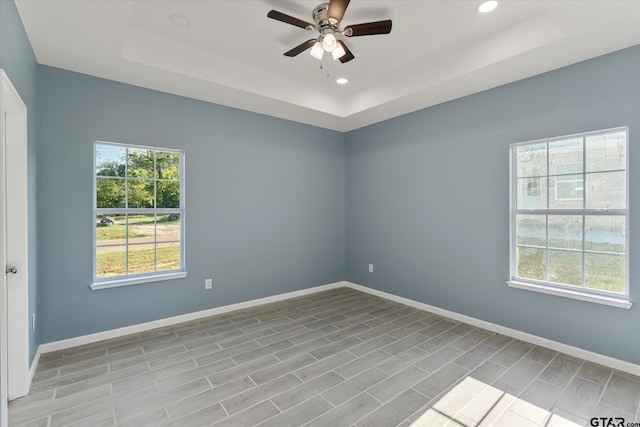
336,10
288,19
348,56
300,48
368,29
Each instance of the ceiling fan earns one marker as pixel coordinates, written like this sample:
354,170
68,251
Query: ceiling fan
327,18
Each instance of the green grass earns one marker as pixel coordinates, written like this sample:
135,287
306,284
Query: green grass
117,231
112,263
604,272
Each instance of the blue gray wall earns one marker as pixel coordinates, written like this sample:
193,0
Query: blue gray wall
265,202
19,62
428,200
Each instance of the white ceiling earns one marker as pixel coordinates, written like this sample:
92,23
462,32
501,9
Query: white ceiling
231,53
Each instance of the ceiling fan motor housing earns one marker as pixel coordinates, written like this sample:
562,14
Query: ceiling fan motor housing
324,25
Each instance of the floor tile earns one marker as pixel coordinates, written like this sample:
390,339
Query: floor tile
197,402
397,383
354,386
363,363
260,393
395,411
511,353
401,361
307,390
560,371
338,357
299,415
441,380
323,366
594,372
622,393
251,416
348,413
580,397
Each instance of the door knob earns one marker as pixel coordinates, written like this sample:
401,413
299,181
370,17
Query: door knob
12,270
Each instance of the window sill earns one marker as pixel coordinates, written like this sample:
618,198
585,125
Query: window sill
570,293
106,284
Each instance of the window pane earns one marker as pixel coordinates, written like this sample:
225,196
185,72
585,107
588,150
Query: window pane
565,267
140,193
531,160
606,190
605,272
565,231
168,194
167,165
110,160
566,192
168,256
531,263
110,230
141,229
140,163
565,156
531,230
111,261
605,233
168,228
142,259
532,193
110,193
606,152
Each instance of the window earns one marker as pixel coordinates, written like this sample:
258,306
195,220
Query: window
569,216
532,187
138,214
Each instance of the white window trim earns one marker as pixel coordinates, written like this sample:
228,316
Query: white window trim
113,282
579,293
136,280
570,293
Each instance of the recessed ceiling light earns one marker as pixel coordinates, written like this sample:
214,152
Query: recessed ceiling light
487,6
342,81
179,20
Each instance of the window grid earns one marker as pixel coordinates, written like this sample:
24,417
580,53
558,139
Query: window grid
584,213
127,211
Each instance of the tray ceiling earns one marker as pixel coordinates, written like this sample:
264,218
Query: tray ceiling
230,53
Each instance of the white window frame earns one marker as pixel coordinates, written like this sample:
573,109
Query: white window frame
614,299
134,279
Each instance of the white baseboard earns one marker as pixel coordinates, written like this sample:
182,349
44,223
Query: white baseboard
601,359
141,327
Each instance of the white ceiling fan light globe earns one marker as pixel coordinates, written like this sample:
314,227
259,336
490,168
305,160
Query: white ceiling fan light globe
338,52
329,42
317,51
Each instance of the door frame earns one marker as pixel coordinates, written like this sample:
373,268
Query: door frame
14,290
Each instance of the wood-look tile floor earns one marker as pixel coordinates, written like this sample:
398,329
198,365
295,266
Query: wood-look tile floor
335,358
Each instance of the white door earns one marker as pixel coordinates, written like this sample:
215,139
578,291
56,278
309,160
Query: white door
14,280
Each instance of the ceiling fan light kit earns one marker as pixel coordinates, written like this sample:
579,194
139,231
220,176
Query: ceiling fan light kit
317,51
327,18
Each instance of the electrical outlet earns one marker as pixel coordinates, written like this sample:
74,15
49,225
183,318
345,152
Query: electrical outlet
208,284
33,322
370,268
